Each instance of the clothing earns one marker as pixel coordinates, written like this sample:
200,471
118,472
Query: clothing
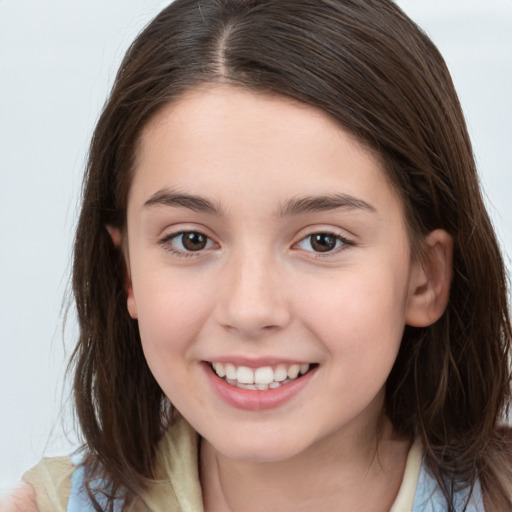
58,482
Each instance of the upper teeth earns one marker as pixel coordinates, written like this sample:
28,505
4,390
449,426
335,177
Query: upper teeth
265,375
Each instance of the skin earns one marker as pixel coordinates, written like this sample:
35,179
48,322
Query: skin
259,290
23,499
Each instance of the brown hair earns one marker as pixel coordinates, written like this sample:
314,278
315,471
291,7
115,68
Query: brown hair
378,75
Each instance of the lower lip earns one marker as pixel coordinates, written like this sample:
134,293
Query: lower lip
256,400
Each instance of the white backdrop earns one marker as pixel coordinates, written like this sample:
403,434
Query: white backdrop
57,62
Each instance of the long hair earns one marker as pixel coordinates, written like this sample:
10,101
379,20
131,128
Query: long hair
379,76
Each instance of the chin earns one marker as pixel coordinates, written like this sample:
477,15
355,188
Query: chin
259,449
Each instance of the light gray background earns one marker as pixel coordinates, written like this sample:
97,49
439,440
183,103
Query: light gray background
57,62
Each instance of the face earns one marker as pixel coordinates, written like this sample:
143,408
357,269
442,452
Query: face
270,271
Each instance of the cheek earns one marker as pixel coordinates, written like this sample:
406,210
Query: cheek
359,317
171,312
170,317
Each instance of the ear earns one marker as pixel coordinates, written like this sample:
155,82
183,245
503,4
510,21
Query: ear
430,280
117,239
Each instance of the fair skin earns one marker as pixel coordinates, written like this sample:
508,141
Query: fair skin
262,235
262,238
23,499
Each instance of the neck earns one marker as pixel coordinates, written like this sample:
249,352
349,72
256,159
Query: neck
348,471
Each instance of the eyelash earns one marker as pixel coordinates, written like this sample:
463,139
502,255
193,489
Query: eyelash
167,245
343,242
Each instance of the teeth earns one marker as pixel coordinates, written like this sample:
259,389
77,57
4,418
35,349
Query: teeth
293,371
230,371
264,375
261,378
244,375
245,386
280,373
219,369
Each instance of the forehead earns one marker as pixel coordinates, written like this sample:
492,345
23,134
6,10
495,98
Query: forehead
250,141
220,113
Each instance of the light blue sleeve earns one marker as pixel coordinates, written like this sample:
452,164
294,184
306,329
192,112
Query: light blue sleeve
79,500
429,497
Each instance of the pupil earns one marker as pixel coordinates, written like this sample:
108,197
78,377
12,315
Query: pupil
194,241
323,242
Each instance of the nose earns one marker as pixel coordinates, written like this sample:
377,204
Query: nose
253,299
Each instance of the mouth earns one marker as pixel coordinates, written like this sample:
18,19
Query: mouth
262,378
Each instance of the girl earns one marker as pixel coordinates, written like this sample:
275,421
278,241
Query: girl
283,271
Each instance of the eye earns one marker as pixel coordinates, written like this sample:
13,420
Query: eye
187,242
323,242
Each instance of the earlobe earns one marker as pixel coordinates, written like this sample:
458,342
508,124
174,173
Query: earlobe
115,235
430,280
130,303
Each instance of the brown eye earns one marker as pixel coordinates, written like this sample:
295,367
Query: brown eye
186,243
323,242
193,241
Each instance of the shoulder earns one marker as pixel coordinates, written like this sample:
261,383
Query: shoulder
431,498
58,484
46,487
497,472
23,499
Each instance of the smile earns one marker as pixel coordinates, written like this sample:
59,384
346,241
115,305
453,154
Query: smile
262,378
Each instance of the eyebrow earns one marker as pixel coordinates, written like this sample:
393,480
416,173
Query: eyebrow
166,197
295,206
323,203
